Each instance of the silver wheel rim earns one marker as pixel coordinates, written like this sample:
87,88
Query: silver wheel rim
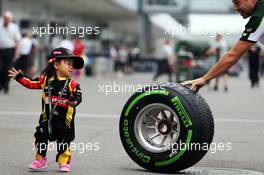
157,127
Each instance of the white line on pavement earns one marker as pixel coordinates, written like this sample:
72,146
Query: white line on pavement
237,120
81,115
88,115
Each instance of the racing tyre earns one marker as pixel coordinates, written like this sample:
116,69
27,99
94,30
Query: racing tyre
166,127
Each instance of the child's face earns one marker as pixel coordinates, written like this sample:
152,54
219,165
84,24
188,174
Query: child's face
64,67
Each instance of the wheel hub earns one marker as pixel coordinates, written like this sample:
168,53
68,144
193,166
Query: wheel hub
164,127
156,127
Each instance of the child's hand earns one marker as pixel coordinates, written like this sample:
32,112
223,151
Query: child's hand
12,73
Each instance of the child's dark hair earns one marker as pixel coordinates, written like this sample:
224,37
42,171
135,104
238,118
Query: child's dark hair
49,71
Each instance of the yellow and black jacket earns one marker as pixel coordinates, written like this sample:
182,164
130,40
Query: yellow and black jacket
63,116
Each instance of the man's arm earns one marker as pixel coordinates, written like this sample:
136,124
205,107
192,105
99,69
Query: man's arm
229,59
252,33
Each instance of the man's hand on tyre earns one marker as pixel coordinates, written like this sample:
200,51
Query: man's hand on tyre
195,84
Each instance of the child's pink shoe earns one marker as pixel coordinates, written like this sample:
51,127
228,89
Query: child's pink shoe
38,164
64,167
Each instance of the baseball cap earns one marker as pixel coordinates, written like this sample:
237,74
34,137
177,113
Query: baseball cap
62,52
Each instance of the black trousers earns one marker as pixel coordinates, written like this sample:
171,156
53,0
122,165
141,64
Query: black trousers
6,58
163,68
60,133
254,74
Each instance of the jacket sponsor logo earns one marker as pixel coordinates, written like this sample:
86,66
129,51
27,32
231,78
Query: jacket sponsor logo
56,100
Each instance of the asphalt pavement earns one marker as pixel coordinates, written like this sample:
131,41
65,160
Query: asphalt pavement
238,113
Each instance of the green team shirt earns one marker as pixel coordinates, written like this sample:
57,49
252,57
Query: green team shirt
254,29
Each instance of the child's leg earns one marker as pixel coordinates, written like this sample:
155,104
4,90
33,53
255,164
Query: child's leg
41,142
64,154
64,137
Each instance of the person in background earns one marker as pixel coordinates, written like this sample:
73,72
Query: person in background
9,48
165,54
79,50
262,65
219,49
130,68
123,56
34,55
113,58
66,43
254,65
25,51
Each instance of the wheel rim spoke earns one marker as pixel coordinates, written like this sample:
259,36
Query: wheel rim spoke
163,140
174,131
155,135
151,127
155,118
145,120
171,138
163,114
171,117
174,127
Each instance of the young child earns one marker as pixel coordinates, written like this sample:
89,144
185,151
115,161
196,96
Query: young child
60,96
